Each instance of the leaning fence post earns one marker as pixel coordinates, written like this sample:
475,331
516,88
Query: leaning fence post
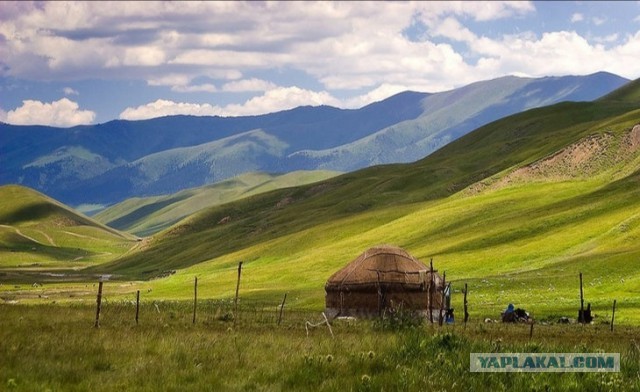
466,313
582,319
99,304
282,308
235,301
444,288
613,314
195,299
137,305
430,292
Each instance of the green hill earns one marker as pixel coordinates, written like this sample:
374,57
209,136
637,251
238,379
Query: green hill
145,216
516,208
630,93
38,233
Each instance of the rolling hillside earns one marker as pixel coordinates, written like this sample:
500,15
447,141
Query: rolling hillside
145,216
108,163
516,208
38,233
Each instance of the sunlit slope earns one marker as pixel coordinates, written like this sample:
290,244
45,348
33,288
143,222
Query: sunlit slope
523,244
145,216
511,240
511,142
38,232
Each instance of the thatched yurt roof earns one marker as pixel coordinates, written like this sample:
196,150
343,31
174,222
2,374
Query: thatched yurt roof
382,266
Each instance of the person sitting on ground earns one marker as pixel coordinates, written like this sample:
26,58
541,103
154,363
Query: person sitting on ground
509,315
449,318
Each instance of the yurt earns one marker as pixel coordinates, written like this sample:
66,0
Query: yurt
382,278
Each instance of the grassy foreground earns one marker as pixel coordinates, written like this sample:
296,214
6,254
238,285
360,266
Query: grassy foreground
55,347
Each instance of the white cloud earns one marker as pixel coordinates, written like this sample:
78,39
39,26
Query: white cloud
598,21
163,107
577,17
349,45
62,113
206,87
607,38
170,80
216,47
70,91
146,56
280,98
451,28
3,116
378,94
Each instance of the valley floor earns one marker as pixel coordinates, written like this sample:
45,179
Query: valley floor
56,347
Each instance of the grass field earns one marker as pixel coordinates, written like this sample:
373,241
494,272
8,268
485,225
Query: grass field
40,234
57,348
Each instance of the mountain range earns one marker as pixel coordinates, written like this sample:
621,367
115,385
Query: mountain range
517,209
107,163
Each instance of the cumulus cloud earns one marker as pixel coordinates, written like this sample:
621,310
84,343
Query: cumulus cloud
280,98
607,38
62,113
70,91
347,47
378,94
453,29
206,87
163,107
577,17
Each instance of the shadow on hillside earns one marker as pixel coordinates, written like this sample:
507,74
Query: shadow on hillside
139,214
32,212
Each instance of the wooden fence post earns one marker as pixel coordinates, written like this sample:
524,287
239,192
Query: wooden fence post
613,314
466,313
282,308
195,299
379,295
444,288
430,292
99,304
137,305
235,301
581,315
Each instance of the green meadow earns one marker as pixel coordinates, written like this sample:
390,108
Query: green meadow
166,351
39,234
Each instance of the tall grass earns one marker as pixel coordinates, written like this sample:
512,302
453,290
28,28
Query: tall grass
57,348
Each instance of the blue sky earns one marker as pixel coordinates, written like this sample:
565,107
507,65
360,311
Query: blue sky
70,63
